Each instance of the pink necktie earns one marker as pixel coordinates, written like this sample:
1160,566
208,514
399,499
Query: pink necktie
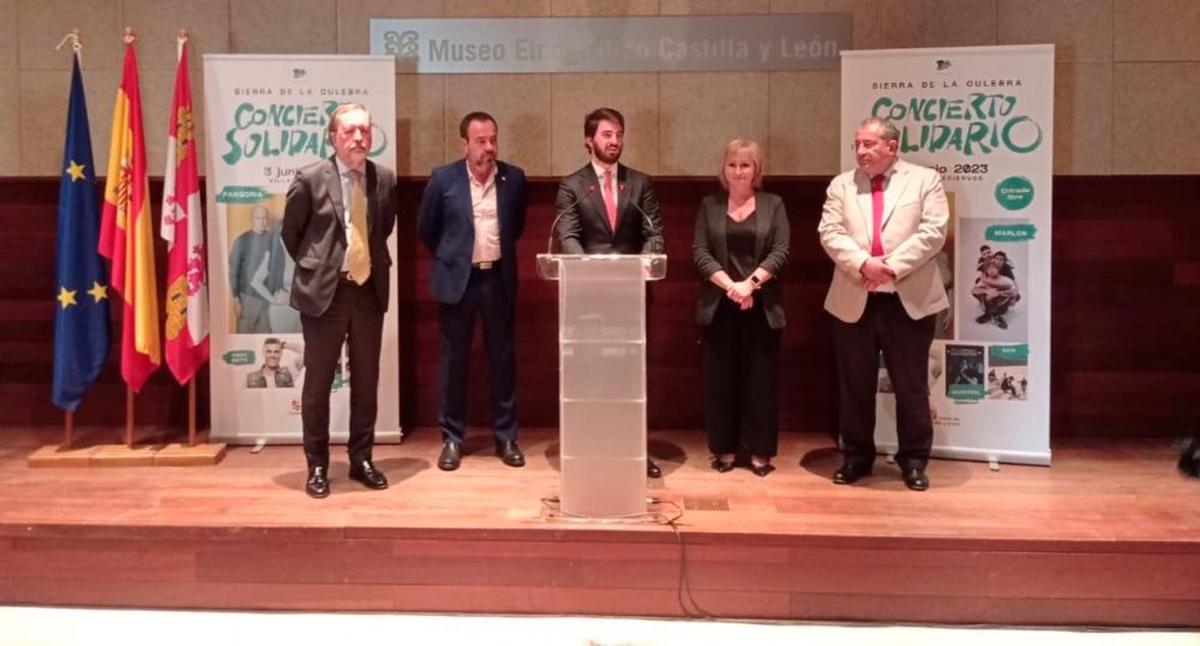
876,215
610,201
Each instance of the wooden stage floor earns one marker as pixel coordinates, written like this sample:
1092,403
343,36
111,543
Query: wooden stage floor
1110,535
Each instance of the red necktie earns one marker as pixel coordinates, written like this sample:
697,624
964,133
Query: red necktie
876,215
610,201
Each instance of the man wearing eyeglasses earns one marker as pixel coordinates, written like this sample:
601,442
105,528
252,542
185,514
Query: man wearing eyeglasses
882,224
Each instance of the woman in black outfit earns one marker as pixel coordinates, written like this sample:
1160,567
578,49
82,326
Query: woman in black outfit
740,248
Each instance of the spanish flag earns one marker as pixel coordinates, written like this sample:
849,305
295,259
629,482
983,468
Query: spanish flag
182,228
126,235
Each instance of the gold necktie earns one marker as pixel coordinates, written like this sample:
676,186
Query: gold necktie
360,256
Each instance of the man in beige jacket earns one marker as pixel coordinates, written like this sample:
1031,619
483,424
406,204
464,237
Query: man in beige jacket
882,224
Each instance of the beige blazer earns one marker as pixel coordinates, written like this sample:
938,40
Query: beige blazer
913,231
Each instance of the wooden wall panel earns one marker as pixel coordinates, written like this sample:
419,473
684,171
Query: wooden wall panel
1125,288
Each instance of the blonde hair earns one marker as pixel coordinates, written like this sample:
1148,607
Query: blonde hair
738,145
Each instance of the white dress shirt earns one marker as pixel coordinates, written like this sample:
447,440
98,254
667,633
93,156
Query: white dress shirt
487,224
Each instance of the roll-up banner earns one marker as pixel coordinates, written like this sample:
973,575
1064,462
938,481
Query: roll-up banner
265,117
984,118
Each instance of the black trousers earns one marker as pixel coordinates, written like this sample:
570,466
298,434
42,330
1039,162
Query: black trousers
741,382
355,317
905,343
485,296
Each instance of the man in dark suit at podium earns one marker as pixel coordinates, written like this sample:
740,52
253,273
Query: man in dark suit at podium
607,207
339,214
472,213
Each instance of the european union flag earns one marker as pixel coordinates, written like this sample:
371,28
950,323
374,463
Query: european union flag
81,310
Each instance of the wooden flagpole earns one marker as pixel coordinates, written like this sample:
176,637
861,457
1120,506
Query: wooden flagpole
128,417
192,411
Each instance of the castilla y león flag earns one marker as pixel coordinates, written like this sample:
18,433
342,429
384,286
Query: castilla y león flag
182,228
126,232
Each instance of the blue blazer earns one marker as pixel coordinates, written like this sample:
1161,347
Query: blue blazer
446,226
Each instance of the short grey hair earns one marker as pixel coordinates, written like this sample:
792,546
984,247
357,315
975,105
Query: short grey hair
341,109
886,129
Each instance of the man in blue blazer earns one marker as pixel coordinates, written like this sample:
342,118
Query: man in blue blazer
472,213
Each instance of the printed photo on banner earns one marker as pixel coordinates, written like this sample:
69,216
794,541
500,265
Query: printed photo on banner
272,367
991,305
1008,372
274,371
268,372
260,270
281,365
964,372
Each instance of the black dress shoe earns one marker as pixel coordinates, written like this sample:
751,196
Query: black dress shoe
762,470
652,470
366,473
510,453
720,466
849,473
451,456
916,479
318,482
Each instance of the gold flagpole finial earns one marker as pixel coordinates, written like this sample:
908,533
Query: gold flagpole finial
181,39
76,44
71,37
129,36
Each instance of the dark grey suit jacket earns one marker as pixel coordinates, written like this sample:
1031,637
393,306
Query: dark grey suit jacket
710,253
314,232
583,225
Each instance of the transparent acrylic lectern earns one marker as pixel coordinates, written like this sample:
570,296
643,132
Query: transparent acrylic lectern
602,379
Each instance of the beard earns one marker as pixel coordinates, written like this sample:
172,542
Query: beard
604,156
484,162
